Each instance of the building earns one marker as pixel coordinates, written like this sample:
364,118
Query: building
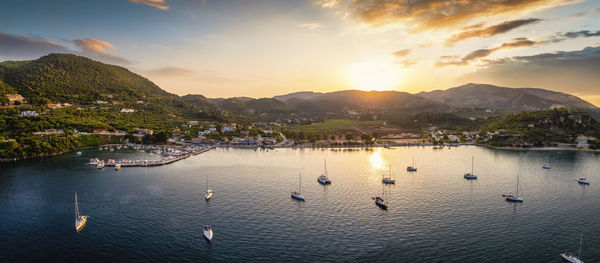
127,110
192,123
145,131
228,129
28,113
12,98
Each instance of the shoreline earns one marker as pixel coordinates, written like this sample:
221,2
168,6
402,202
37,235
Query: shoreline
309,146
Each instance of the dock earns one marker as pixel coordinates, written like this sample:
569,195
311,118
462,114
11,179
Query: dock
171,155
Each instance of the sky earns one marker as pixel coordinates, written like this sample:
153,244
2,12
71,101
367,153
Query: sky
262,48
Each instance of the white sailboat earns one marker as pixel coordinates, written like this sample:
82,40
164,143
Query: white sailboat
209,192
207,229
297,194
388,180
584,180
80,221
412,168
570,257
514,198
118,166
545,166
380,201
323,179
471,175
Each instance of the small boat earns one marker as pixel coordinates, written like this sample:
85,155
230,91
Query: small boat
471,175
80,221
570,257
412,168
583,181
514,198
545,166
209,192
208,233
118,166
388,180
296,194
100,165
323,179
380,201
78,153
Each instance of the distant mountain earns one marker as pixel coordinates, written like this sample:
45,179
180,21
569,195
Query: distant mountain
263,108
380,103
484,96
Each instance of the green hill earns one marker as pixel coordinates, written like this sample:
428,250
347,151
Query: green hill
542,128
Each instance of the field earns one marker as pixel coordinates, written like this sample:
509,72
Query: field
339,125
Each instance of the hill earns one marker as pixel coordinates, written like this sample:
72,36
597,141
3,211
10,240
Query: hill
502,99
542,128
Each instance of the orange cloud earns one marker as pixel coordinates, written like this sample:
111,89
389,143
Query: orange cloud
442,13
93,45
158,4
401,53
477,31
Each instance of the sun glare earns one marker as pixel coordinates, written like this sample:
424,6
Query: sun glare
376,160
373,76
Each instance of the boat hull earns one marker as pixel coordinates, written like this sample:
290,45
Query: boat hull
323,181
568,257
298,197
388,181
515,199
208,234
80,224
208,195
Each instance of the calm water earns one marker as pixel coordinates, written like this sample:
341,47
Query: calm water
156,214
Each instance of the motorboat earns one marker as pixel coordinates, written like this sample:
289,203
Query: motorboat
118,166
545,166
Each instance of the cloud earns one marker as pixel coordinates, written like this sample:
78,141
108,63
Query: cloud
158,4
591,11
97,49
441,13
311,26
481,53
329,3
28,47
559,37
407,63
93,45
567,71
477,31
169,71
401,53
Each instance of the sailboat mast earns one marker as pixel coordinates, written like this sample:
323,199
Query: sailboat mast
580,244
413,162
390,171
300,183
518,184
207,182
472,163
76,207
325,162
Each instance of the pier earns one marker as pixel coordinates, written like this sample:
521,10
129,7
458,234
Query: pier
170,155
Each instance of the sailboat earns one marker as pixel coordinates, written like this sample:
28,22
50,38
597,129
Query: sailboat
545,166
584,180
80,221
412,168
209,192
296,194
323,179
471,175
570,257
388,180
118,166
207,229
514,198
380,201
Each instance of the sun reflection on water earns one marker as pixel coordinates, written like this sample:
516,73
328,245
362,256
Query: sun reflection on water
377,161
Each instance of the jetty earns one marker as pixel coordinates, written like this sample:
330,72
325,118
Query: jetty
169,155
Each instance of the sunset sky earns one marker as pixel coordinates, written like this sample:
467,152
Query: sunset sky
222,48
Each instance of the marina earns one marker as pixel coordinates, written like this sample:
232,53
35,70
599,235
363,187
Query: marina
169,155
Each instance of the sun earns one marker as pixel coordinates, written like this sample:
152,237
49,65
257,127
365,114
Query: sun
373,76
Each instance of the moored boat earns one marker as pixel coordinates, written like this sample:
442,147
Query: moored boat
80,220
